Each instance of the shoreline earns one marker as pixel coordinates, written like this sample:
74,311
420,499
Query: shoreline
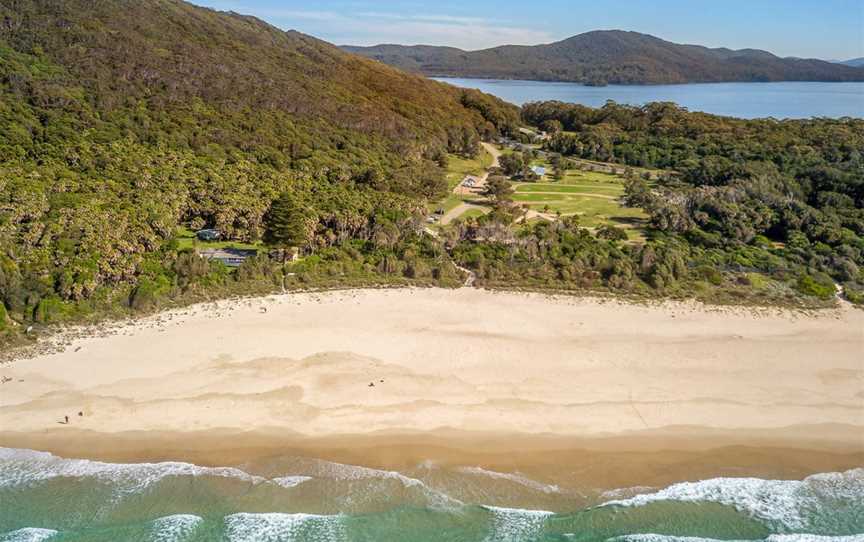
644,394
652,459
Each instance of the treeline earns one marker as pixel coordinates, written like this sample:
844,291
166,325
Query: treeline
562,256
795,186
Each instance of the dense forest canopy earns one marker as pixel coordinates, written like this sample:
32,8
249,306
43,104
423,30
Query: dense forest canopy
122,119
797,183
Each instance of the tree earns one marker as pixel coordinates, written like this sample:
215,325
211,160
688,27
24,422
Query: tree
558,166
612,233
512,164
286,223
552,126
499,189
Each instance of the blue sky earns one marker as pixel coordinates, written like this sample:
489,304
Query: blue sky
829,29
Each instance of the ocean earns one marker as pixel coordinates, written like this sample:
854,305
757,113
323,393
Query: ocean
47,498
784,100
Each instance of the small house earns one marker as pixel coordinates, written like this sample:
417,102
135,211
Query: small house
538,170
208,235
470,181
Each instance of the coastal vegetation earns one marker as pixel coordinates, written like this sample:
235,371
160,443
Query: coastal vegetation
779,199
127,127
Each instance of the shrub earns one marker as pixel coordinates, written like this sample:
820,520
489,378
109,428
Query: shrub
147,293
50,310
710,274
612,233
854,293
815,286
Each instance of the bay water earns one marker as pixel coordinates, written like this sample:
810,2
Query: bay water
782,100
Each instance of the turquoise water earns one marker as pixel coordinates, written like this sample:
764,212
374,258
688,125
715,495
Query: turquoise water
743,100
43,497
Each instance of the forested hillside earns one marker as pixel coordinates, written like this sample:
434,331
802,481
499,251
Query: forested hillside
610,56
121,120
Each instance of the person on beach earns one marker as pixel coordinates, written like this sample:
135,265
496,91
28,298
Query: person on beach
66,418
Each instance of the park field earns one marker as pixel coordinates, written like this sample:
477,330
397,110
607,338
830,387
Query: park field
593,196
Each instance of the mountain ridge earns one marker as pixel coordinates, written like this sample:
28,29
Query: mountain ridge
854,62
609,56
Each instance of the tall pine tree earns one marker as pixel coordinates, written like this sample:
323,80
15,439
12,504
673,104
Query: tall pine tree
286,223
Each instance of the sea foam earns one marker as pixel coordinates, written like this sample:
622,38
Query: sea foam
28,534
354,473
19,467
174,528
275,527
290,481
788,503
770,538
515,524
516,478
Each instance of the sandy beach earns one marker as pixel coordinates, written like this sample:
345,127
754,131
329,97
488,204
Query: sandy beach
487,373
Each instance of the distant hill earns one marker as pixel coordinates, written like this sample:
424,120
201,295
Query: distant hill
609,56
854,62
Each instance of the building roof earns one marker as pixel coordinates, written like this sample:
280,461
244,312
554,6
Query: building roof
539,170
232,257
208,234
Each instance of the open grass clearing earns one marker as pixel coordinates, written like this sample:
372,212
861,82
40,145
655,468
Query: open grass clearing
602,190
186,239
458,167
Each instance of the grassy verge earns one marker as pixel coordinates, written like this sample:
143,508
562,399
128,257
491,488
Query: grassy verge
186,239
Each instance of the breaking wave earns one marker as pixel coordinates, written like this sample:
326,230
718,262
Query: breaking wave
29,534
769,538
20,467
790,504
516,524
277,527
174,528
339,502
512,477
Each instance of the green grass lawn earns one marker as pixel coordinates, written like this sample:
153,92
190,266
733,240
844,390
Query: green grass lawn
471,213
448,203
593,196
583,188
574,176
186,239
